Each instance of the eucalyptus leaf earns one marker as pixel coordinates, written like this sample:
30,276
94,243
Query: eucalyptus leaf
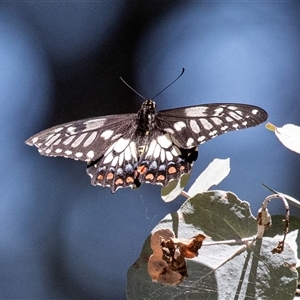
293,237
215,172
254,274
174,188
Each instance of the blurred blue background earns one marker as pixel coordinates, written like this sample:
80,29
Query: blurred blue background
62,238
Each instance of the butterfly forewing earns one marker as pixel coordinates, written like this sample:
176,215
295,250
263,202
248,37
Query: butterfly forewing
83,140
194,125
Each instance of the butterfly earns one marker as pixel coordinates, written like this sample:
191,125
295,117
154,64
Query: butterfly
150,146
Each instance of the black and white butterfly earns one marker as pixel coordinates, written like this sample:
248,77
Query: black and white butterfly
154,147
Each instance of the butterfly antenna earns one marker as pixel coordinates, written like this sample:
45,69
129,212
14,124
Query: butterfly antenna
169,84
132,88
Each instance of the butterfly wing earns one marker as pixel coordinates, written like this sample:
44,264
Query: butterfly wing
194,125
163,160
133,159
116,167
84,140
118,155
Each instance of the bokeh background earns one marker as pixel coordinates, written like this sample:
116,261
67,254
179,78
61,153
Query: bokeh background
62,238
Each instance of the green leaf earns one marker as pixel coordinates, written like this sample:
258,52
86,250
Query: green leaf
293,236
174,188
215,172
254,274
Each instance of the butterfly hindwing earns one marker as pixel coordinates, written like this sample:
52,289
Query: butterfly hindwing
115,168
126,164
164,161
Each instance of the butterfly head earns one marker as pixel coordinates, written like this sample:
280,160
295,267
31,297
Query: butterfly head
149,106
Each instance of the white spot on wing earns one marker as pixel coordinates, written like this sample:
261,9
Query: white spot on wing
151,147
202,138
108,158
58,150
90,154
217,121
224,128
121,144
190,142
115,137
179,125
107,134
175,151
58,129
78,141
133,150
90,139
162,155
169,130
254,111
218,111
197,111
127,153
109,149
114,161
121,159
78,154
164,141
169,155
156,151
49,142
68,152
194,126
213,133
71,130
205,124
57,142
69,140
35,139
234,115
94,124
49,136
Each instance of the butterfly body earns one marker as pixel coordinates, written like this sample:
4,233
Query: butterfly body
147,147
146,118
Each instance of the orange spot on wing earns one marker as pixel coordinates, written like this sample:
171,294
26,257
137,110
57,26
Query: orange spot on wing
149,177
119,181
110,176
172,170
129,179
182,168
160,177
100,177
